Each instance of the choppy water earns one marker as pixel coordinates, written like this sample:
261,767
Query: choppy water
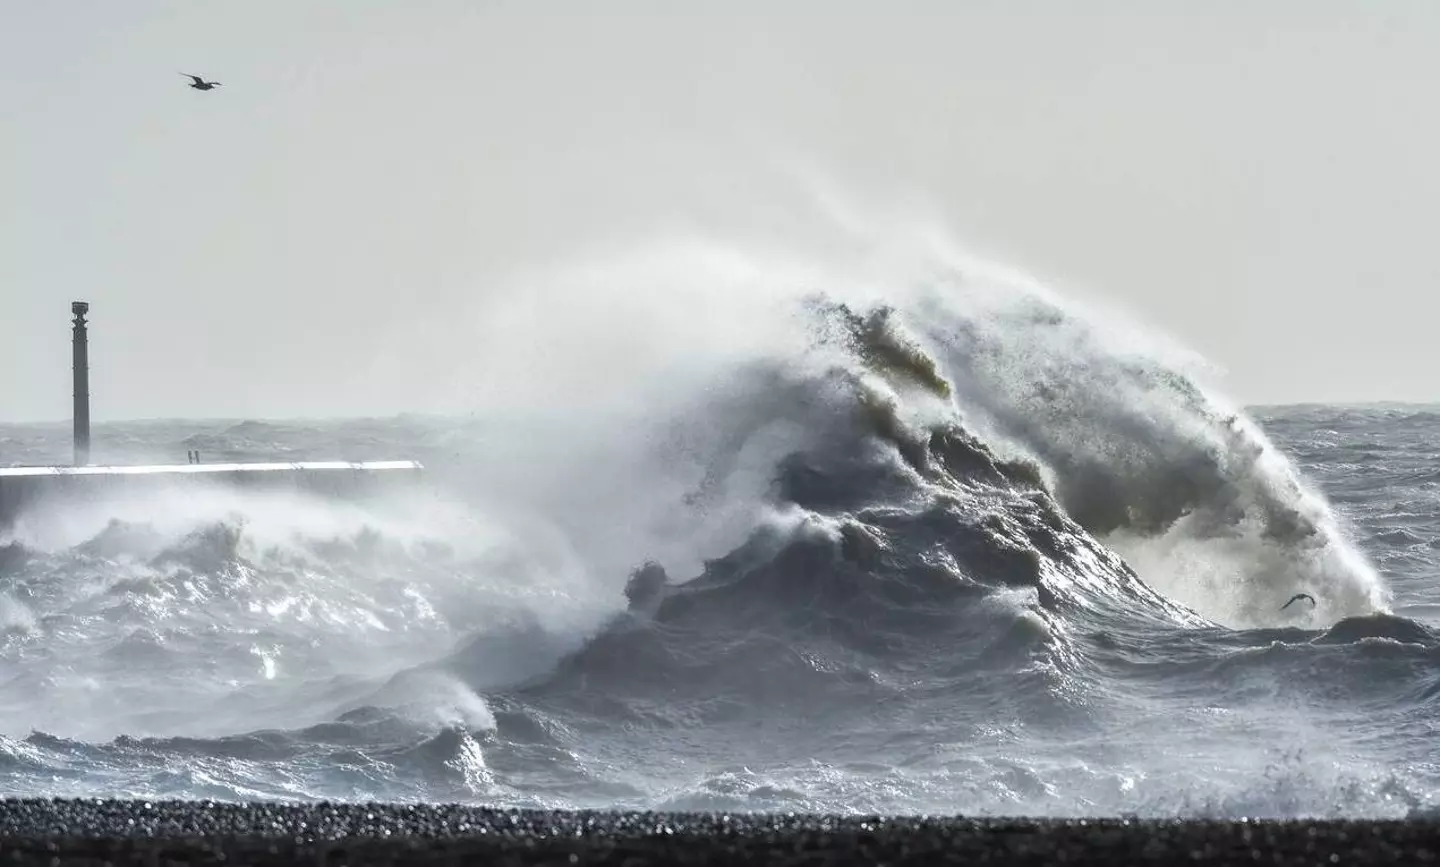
981,553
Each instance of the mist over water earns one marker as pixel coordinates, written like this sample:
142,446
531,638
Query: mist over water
735,526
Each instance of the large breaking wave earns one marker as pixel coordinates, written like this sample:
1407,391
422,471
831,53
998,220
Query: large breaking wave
940,365
714,494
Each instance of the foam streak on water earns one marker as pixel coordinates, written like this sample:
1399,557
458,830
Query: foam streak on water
900,534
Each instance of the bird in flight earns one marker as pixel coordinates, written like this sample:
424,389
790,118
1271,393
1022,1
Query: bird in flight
200,83
1296,598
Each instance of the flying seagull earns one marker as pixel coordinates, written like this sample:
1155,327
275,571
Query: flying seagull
1296,598
200,83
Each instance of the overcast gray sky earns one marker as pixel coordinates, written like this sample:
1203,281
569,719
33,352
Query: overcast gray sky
1257,178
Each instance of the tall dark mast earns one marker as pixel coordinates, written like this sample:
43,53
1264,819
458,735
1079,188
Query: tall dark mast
81,349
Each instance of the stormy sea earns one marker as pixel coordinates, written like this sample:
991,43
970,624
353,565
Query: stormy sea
736,531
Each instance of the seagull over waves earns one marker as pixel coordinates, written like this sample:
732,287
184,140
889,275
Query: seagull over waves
1296,598
200,83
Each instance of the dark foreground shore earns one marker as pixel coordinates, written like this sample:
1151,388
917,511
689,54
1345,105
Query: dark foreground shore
161,833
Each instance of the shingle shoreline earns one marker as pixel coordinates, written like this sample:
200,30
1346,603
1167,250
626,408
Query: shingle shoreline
202,832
